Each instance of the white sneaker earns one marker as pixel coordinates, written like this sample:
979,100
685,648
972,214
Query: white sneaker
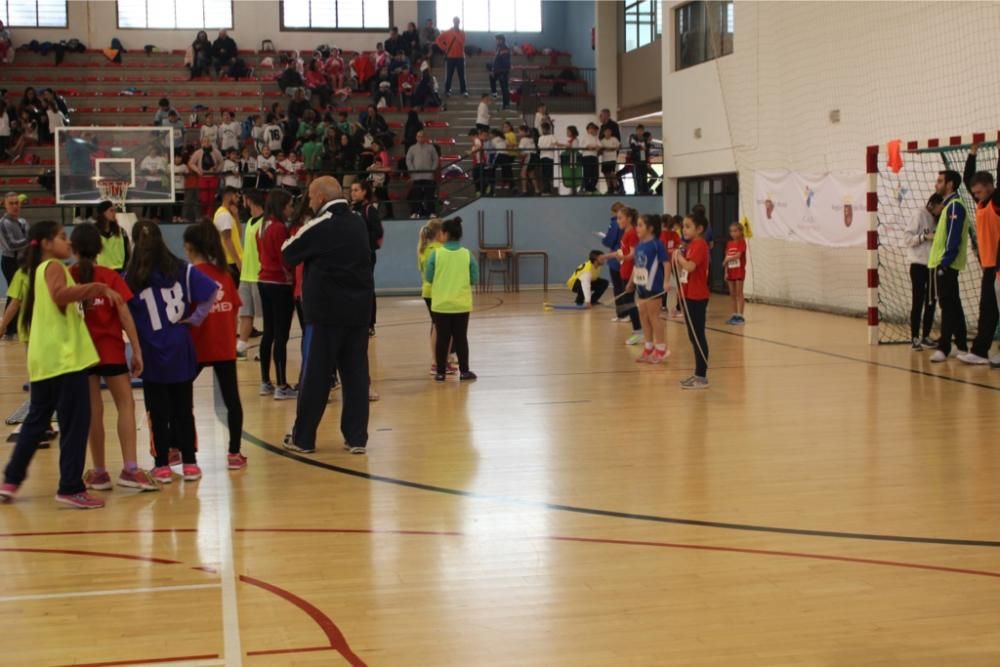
973,359
618,319
938,357
78,220
995,359
634,339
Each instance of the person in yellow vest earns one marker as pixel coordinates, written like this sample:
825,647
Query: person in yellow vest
947,259
586,281
60,351
115,249
452,271
227,221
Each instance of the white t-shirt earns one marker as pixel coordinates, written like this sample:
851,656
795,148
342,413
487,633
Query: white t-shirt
609,149
179,171
229,135
4,125
56,119
212,132
589,144
223,220
156,166
248,165
257,134
267,162
548,141
483,114
289,174
231,170
273,135
527,146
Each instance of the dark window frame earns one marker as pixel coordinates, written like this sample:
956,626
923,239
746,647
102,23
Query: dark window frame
283,28
232,18
36,25
710,42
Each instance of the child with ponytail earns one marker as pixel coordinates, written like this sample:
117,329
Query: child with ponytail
170,296
214,343
59,353
106,321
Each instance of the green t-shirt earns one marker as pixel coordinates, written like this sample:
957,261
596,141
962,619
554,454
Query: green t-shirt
60,342
304,129
251,258
312,153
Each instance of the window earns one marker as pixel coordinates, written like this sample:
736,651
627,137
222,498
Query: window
704,31
643,23
335,15
491,15
175,14
34,13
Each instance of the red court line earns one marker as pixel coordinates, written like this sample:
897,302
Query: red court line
661,545
148,661
123,531
282,651
333,634
100,554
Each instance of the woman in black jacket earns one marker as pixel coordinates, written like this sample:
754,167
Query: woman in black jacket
363,202
201,51
413,125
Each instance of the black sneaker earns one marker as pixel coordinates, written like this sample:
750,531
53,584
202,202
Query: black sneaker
917,346
439,377
256,334
928,344
467,375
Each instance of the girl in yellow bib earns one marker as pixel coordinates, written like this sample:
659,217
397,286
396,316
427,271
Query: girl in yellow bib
59,353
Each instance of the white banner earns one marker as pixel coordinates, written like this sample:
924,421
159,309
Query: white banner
820,209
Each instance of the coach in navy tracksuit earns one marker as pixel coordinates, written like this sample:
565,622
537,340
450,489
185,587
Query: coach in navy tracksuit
337,292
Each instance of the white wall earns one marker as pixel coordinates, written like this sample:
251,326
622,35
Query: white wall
910,70
94,22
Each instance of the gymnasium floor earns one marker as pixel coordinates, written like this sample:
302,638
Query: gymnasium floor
824,503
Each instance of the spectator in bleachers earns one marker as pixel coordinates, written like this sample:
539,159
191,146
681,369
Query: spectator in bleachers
201,55
290,80
477,153
399,63
609,159
334,68
638,143
231,176
483,113
209,130
394,43
174,121
413,125
317,83
379,172
49,95
528,145
428,37
548,147
607,123
298,106
406,82
163,109
381,57
362,70
27,135
426,93
374,124
267,167
381,89
5,130
229,133
224,52
6,44
452,43
345,158
541,117
411,41
274,133
32,105
206,163
55,117
422,162
248,168
590,145
500,78
153,169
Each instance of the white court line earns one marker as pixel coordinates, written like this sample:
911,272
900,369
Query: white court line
112,591
233,651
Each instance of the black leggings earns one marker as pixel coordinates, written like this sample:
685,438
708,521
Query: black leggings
697,312
171,420
225,377
9,267
453,333
278,303
924,301
628,301
590,173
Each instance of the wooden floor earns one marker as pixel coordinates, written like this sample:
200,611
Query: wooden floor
824,503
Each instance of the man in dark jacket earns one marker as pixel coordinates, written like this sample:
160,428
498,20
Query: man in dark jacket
337,292
501,70
224,52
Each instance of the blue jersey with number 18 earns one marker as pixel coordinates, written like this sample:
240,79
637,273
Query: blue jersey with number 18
159,311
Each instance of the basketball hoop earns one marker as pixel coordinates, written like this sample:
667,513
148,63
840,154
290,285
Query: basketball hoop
114,191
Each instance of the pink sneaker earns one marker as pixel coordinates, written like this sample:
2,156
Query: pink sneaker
645,358
137,479
236,461
7,492
174,457
83,501
98,481
163,475
659,357
192,473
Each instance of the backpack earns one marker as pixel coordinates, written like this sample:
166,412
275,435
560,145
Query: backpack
117,44
239,69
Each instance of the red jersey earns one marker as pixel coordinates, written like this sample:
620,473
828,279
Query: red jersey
299,268
102,316
271,235
630,239
334,66
736,260
696,286
215,339
671,241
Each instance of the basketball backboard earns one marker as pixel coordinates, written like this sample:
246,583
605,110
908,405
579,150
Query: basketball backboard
143,156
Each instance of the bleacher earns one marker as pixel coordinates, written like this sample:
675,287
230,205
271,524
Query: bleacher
100,92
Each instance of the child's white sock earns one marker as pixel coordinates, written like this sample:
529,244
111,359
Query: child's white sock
241,346
661,347
649,347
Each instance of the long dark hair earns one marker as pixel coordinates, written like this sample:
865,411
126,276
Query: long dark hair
277,200
366,187
204,239
44,230
149,254
86,241
302,212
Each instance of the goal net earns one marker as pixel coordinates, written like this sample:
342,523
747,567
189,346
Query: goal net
901,197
